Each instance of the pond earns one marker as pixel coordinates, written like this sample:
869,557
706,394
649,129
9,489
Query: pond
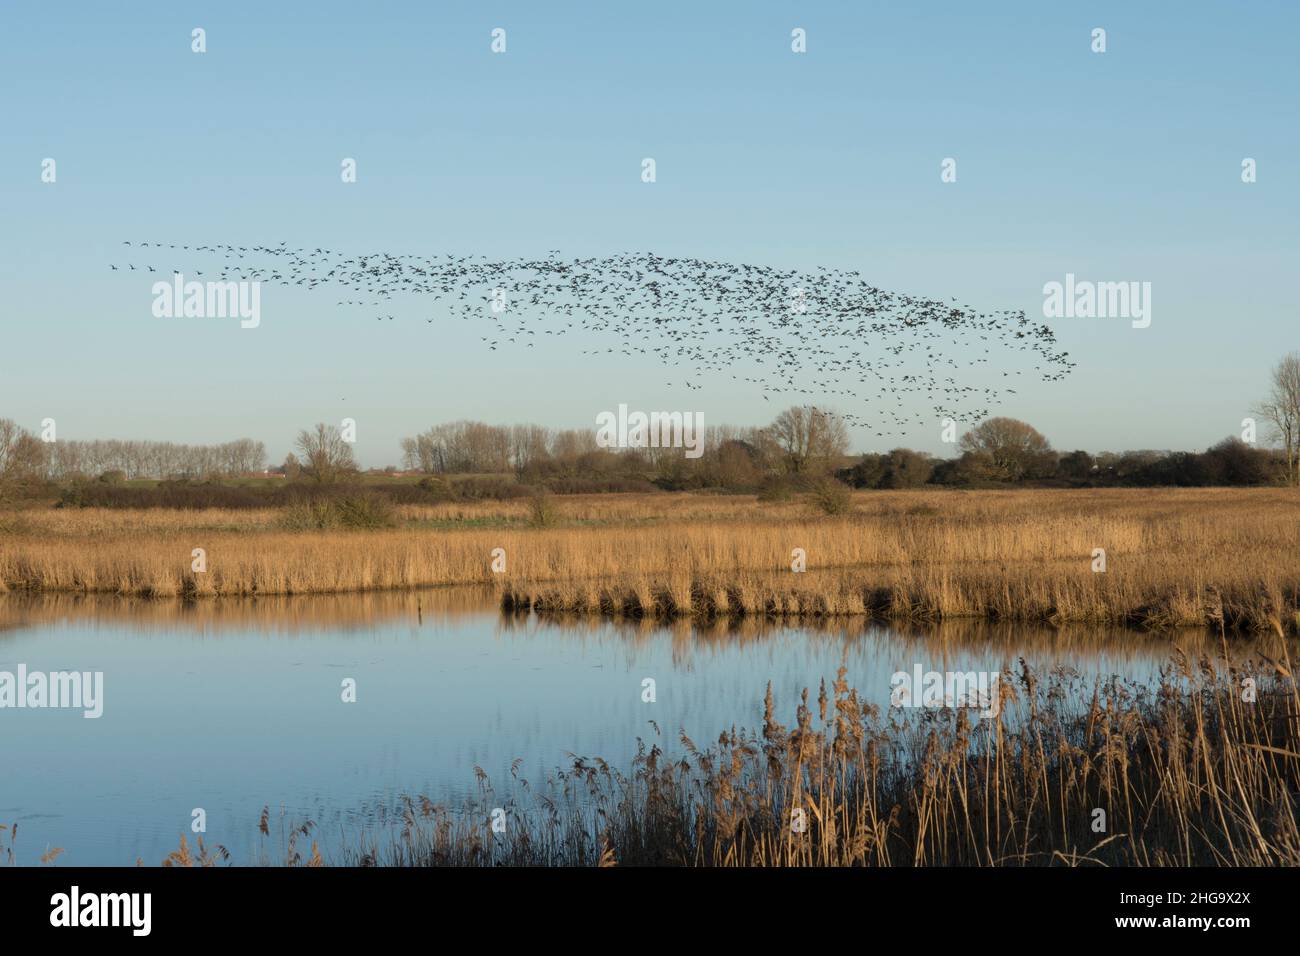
233,705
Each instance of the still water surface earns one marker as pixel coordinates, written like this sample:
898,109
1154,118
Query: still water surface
236,705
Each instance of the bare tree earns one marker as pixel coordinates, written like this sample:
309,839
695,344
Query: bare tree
568,446
529,445
1281,408
22,457
1014,448
808,436
325,455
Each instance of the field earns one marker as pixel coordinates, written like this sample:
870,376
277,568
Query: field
1224,558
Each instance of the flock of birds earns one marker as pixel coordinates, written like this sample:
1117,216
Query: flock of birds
800,337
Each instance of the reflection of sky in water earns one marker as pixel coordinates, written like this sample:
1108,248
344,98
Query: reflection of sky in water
230,716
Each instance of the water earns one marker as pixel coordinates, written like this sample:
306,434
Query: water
235,705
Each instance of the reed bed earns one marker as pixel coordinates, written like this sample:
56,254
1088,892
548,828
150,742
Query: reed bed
1194,772
1226,558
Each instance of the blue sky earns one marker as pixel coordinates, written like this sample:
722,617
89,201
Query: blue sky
1124,165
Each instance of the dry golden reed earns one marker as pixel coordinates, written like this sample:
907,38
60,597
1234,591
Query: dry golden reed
1174,557
1191,773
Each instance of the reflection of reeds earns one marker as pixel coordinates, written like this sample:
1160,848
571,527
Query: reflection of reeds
478,606
1223,557
267,613
1190,774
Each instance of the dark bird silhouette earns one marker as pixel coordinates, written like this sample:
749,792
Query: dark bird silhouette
826,335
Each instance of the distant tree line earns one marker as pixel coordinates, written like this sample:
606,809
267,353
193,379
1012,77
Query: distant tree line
800,440
153,459
24,457
1230,462
801,447
805,444
474,447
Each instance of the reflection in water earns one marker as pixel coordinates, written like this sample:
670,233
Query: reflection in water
278,613
231,705
342,613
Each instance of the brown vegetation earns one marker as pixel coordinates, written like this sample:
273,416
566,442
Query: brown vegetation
1195,772
1214,557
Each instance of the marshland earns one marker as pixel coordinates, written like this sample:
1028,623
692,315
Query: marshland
778,521
545,440
613,668
465,716
1225,558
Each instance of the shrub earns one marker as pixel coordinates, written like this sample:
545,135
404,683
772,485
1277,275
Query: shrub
869,472
308,515
833,497
438,489
364,510
13,524
71,496
498,489
775,489
599,486
542,512
905,468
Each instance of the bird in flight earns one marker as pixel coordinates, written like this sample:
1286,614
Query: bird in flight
892,359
